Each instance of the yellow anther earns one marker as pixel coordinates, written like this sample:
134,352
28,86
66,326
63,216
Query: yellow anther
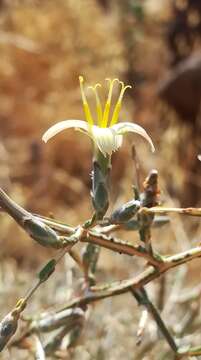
87,111
108,103
117,108
98,104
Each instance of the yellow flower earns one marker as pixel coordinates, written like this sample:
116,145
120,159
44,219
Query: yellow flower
107,135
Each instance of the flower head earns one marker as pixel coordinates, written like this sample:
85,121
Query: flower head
106,134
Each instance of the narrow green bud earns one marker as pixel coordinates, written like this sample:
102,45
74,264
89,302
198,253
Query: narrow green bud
40,232
125,212
47,270
8,327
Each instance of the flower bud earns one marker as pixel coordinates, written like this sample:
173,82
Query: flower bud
30,223
8,327
125,212
40,232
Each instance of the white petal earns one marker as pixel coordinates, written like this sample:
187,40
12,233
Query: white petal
62,125
122,128
106,139
119,141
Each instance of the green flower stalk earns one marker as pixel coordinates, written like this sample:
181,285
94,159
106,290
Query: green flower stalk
99,192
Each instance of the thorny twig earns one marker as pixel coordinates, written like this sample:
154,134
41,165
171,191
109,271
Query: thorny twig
50,232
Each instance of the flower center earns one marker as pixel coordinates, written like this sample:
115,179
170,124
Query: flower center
103,115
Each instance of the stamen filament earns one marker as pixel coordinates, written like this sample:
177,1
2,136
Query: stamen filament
87,111
108,103
98,104
117,108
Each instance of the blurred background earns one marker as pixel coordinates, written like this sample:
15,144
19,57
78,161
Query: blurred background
44,46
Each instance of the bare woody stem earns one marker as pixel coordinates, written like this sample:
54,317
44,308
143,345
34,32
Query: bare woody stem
121,246
150,274
184,211
157,264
